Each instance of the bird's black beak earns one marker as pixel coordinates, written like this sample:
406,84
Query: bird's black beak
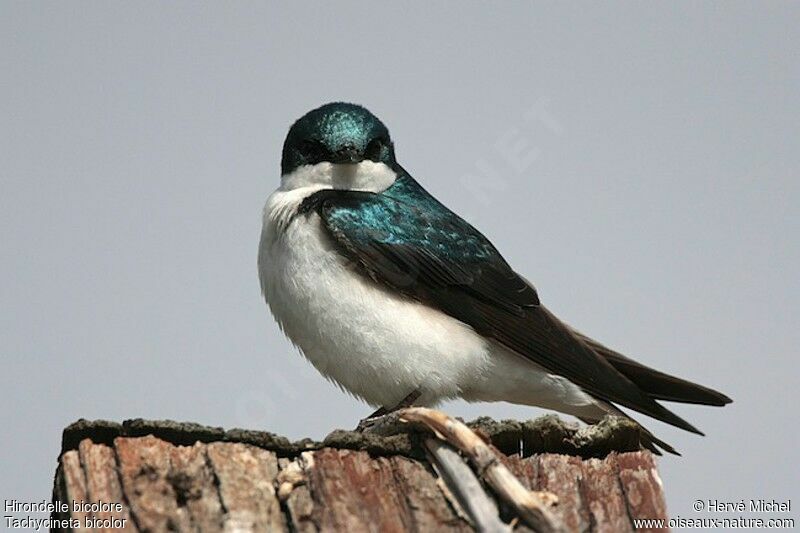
347,154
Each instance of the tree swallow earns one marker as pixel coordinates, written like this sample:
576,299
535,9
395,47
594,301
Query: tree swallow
397,299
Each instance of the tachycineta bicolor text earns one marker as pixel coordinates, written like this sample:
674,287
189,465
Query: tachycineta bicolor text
393,296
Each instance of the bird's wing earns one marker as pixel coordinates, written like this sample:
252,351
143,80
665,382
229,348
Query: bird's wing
655,383
405,239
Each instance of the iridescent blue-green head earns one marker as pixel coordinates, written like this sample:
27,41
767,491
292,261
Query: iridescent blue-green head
336,133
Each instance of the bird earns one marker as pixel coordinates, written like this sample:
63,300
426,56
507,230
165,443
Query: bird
399,301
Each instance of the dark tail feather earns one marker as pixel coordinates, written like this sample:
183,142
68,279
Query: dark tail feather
648,441
652,443
656,384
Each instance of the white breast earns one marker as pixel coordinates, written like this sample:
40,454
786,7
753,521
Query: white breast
377,345
372,342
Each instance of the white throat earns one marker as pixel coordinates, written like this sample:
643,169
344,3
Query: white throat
364,176
304,181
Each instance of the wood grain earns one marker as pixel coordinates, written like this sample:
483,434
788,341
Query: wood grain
180,485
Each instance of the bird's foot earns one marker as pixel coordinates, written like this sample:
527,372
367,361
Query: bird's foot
365,425
382,415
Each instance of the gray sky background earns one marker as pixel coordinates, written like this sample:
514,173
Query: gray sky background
647,181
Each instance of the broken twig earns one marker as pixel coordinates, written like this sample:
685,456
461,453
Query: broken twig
531,506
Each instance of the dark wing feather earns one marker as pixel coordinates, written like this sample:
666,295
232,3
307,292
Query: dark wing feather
407,240
655,383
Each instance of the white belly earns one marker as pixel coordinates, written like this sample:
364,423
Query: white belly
376,344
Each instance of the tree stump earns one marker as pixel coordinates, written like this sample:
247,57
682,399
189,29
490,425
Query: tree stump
165,476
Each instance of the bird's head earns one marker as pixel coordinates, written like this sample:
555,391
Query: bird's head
335,141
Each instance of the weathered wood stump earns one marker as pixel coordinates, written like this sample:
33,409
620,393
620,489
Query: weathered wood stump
167,476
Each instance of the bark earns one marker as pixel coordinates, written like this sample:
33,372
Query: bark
168,476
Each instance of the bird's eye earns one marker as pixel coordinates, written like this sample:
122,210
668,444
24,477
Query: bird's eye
374,150
313,151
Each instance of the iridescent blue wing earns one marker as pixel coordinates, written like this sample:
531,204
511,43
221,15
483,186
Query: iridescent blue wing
405,239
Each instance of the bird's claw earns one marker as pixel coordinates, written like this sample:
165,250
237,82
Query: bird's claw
368,423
